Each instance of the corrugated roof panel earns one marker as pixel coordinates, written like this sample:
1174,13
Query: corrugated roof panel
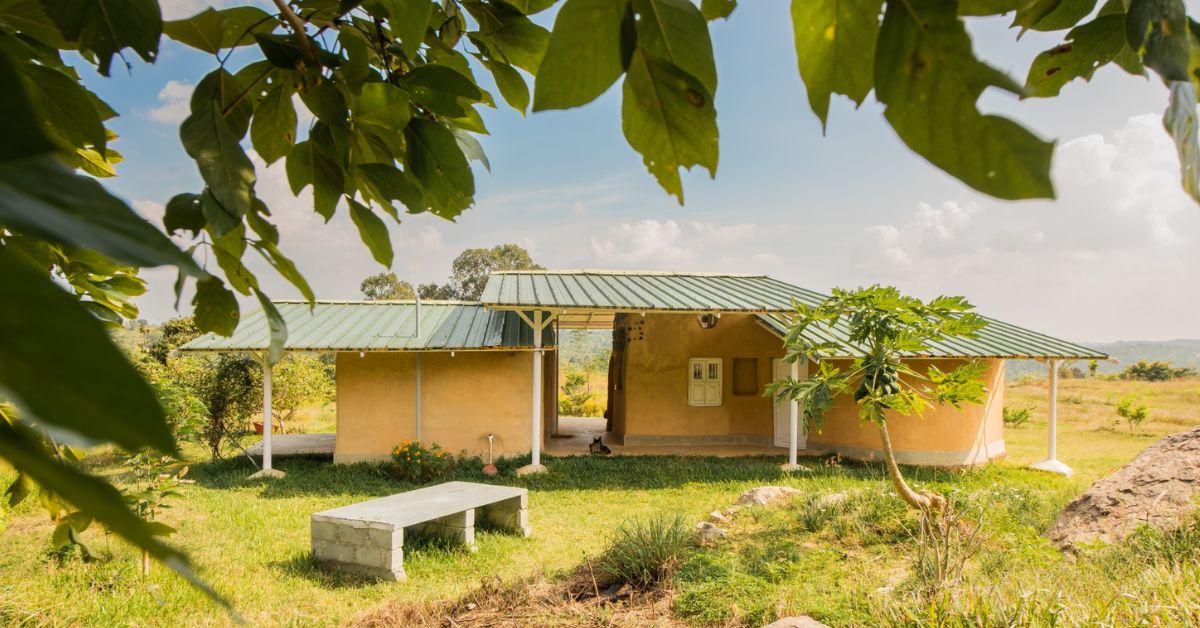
379,326
997,340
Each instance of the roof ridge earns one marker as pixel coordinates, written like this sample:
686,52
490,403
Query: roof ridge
598,271
379,301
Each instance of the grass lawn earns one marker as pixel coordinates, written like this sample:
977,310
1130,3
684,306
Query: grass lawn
849,564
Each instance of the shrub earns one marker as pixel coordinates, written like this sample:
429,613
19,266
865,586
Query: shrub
575,396
1133,412
1155,371
414,462
1017,417
643,551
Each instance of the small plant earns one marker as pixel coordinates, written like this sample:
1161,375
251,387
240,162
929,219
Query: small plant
644,551
1017,417
155,480
414,462
945,542
1133,412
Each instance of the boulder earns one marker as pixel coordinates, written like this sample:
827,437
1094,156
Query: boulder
799,621
707,532
1159,488
765,495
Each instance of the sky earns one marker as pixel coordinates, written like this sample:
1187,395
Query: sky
1112,258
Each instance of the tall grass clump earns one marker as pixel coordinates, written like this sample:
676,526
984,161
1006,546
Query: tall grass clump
643,551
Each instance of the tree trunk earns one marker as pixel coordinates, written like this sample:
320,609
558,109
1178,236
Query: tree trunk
921,500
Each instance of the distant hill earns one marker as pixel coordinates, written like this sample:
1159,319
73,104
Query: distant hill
1183,352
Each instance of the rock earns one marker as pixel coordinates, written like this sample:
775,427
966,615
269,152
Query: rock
799,621
624,592
717,515
706,532
765,495
1159,487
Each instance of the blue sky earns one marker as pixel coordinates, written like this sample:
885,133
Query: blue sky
1113,258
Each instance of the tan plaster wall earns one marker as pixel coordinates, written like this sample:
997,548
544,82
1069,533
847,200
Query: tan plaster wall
655,399
975,431
463,398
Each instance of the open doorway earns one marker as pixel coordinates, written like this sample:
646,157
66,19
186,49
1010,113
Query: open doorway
583,369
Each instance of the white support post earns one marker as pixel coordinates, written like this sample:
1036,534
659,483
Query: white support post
266,471
535,422
417,383
793,425
1052,463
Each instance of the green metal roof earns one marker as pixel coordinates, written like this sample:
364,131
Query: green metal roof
380,326
642,291
997,340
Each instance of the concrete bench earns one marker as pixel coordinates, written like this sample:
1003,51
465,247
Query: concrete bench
367,538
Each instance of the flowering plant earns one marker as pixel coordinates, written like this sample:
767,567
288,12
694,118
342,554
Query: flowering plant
415,462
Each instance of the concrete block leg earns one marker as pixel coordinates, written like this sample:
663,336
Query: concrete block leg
459,527
510,514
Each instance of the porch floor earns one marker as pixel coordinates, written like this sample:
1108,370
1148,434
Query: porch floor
575,434
320,444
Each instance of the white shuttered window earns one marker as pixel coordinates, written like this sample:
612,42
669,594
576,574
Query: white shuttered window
704,382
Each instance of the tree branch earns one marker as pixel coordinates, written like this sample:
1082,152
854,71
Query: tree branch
297,25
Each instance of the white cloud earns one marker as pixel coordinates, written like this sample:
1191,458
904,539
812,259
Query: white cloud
179,9
174,97
1118,241
649,242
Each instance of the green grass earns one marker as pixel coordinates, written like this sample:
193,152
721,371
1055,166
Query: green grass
849,563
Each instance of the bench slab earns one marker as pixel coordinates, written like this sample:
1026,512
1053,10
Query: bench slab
367,538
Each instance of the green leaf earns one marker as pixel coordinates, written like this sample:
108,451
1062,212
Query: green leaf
229,95
1180,122
58,364
408,21
68,109
20,487
437,162
273,129
103,28
508,35
440,89
372,231
223,164
928,78
1158,29
311,164
835,49
285,267
276,325
239,24
529,7
1052,15
674,30
471,148
584,56
216,307
1088,47
326,102
183,212
383,183
20,124
202,31
382,105
286,51
28,18
512,86
717,9
41,197
229,249
668,117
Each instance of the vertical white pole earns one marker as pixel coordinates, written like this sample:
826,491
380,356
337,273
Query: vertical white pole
1052,438
793,419
417,392
266,457
535,446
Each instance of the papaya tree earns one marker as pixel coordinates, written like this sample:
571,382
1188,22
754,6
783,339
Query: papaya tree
874,330
395,94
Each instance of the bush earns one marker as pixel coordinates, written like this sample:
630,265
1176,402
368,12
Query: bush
644,551
414,462
1155,371
1017,417
1133,412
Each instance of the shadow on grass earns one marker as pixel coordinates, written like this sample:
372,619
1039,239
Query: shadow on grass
303,565
316,476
